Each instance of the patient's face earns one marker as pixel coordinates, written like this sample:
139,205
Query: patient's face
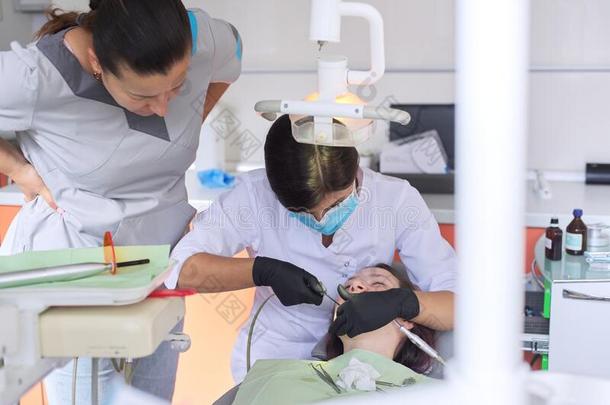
371,279
374,279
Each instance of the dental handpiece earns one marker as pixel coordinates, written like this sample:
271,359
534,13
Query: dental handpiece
59,273
416,340
50,274
419,342
320,289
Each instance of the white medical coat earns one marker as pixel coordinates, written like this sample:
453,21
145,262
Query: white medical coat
391,215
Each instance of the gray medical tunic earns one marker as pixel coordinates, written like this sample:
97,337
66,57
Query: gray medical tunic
107,168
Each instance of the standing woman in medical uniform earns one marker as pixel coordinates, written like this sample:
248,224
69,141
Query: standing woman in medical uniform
108,107
313,214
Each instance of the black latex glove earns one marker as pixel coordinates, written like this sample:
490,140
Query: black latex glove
369,311
290,283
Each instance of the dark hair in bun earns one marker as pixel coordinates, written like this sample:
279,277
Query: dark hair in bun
94,4
148,36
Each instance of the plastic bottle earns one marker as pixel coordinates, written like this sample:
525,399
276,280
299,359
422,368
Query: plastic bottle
576,235
554,236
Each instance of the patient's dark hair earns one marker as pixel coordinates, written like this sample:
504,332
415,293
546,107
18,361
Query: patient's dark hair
408,355
302,174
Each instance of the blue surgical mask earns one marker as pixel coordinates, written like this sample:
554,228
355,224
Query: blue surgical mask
333,219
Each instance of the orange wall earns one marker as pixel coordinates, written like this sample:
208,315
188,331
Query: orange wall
448,232
531,237
212,321
7,213
34,396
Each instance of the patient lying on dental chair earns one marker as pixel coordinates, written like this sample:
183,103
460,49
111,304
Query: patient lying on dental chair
382,359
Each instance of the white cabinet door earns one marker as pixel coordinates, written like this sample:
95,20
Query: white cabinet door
579,338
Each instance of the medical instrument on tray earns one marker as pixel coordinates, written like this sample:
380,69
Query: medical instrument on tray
69,272
598,260
333,116
597,255
60,273
416,340
324,376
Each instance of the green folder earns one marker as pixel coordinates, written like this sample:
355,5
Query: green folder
129,284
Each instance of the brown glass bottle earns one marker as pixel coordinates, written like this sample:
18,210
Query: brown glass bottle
576,235
554,236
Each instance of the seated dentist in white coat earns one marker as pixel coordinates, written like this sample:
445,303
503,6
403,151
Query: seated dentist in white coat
312,214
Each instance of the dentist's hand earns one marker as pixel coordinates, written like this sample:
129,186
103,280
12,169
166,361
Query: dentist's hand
289,282
31,184
369,311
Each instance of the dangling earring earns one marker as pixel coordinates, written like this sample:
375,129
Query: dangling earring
97,76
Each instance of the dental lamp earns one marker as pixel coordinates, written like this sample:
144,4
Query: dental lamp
333,116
